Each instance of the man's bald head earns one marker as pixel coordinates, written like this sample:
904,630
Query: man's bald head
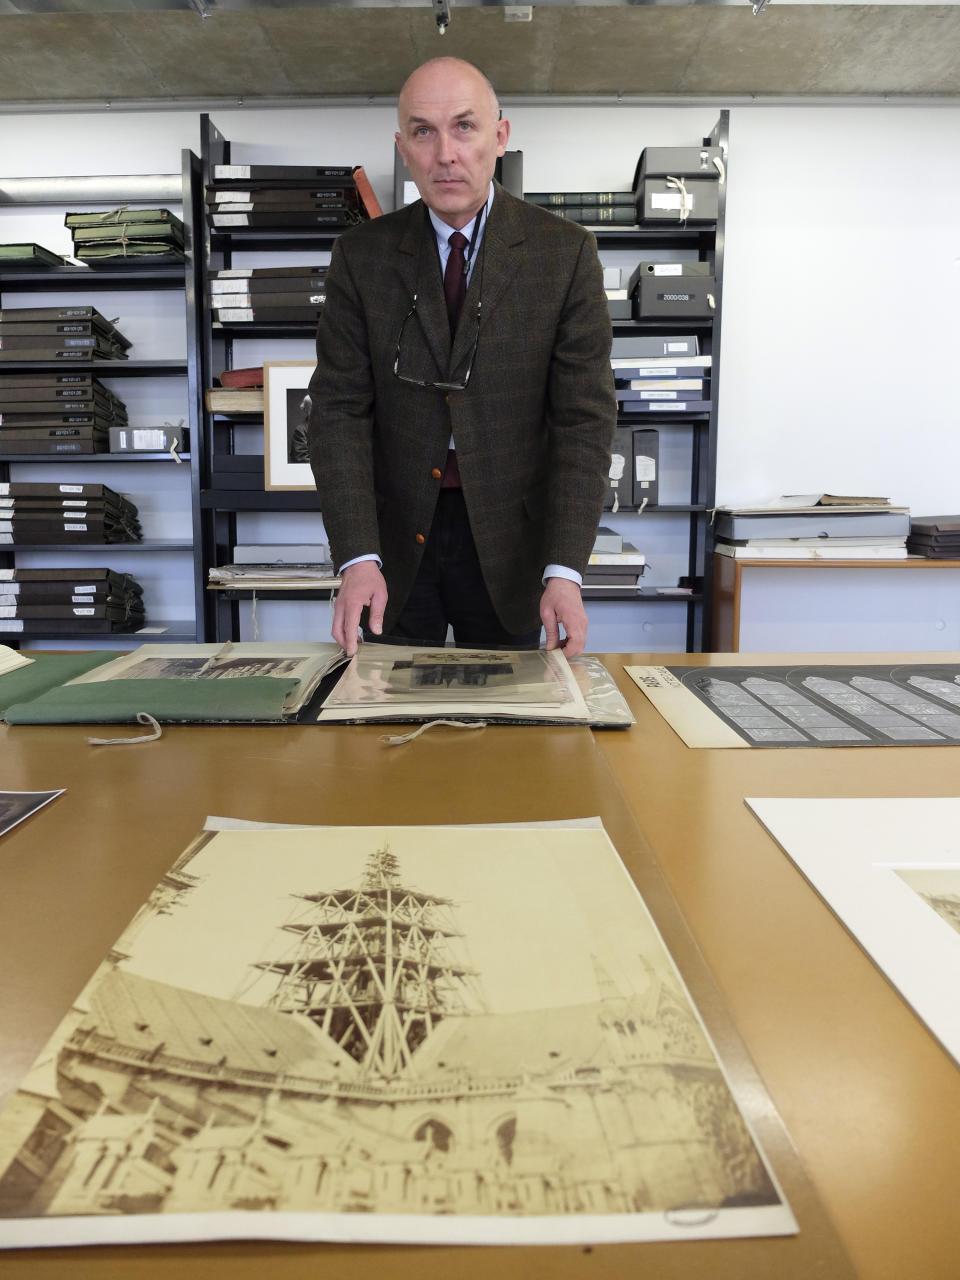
436,75
450,135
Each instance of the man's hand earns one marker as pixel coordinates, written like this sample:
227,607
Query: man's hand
561,604
363,584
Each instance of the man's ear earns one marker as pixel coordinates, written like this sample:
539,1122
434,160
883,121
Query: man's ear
503,136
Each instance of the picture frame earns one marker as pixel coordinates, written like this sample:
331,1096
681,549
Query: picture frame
876,863
284,386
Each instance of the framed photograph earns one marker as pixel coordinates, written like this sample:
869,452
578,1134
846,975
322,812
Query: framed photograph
889,869
286,465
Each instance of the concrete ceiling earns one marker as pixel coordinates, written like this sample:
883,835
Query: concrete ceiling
161,51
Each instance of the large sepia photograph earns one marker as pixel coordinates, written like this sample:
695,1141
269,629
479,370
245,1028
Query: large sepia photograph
416,1034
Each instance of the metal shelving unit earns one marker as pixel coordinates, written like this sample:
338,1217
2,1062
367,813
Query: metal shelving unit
135,275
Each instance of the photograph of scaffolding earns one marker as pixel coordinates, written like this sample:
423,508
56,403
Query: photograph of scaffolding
410,1033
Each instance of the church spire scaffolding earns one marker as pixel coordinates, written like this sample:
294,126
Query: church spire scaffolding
374,967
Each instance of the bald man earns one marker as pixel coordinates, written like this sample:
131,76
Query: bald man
461,447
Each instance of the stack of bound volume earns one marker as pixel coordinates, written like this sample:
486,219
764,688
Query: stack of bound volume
613,562
289,197
240,391
56,413
61,601
59,333
28,257
663,383
936,537
124,233
590,208
276,567
41,513
267,295
817,526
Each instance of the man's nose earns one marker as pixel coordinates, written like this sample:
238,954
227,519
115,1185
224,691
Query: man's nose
446,148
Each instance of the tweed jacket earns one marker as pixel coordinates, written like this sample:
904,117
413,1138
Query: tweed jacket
532,429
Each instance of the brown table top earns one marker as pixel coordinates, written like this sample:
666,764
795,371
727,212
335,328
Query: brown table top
869,1099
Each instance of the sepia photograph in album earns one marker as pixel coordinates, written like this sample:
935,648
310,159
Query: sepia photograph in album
396,681
411,1034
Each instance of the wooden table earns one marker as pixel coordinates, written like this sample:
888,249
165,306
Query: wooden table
870,1100
731,578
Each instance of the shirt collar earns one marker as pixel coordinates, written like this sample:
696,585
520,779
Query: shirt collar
444,231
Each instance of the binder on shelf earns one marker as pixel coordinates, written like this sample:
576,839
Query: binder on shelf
620,476
272,286
646,467
29,256
549,199
285,173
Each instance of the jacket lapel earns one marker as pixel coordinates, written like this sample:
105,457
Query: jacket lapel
502,240
420,274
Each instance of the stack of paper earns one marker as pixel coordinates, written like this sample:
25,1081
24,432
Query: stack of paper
817,526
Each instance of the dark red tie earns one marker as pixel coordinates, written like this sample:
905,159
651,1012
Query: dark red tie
455,279
455,290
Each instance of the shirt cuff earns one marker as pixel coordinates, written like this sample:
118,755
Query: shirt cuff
359,560
561,571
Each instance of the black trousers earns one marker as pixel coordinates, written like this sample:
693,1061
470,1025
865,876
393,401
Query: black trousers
449,590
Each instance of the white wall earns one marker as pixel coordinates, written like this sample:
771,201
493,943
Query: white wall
840,322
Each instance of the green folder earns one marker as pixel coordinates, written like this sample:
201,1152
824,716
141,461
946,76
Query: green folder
47,671
252,700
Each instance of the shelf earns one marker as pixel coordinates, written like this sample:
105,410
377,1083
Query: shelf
662,418
673,236
262,329
132,456
648,595
154,544
117,276
297,239
260,500
273,593
663,324
102,368
175,632
663,508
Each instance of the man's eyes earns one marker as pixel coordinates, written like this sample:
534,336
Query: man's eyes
424,131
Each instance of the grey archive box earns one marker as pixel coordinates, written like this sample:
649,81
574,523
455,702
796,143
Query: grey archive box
678,199
672,293
679,162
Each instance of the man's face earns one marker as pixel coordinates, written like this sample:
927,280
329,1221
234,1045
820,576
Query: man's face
450,137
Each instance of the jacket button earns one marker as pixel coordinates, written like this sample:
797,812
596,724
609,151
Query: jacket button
437,473
420,539
446,399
